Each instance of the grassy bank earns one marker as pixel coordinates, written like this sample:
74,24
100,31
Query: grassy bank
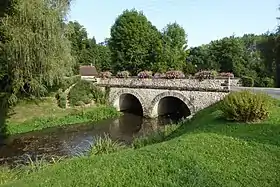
207,151
30,116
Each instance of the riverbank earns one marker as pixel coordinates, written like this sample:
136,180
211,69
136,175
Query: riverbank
33,116
207,151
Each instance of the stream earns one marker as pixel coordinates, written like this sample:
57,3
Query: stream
74,140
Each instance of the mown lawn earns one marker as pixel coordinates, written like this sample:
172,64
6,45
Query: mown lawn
207,151
45,107
41,114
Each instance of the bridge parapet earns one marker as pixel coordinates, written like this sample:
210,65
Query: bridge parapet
170,84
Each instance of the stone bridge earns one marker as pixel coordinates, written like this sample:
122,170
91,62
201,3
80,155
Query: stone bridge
155,97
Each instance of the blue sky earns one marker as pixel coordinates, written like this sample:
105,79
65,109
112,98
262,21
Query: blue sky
203,20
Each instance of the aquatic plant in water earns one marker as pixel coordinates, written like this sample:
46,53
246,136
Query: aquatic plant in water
105,145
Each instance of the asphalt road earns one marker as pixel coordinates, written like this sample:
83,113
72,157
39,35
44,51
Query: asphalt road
274,92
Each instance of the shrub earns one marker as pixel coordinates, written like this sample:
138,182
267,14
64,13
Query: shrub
105,74
62,101
79,103
98,95
175,75
268,82
91,96
105,145
123,74
85,91
69,81
226,74
246,106
79,92
201,75
159,75
61,98
247,81
86,100
58,94
145,74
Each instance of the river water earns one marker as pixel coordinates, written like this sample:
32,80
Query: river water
73,140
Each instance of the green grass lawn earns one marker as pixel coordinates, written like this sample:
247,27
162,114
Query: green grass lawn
37,115
45,107
207,151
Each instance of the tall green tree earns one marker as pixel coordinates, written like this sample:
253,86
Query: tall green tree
201,58
173,49
36,53
82,47
132,42
229,53
102,57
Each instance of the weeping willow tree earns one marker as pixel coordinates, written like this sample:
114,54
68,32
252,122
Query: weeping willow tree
35,53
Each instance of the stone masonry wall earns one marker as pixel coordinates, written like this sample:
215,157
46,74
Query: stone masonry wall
179,84
149,98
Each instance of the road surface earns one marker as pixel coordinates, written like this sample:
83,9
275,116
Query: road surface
274,92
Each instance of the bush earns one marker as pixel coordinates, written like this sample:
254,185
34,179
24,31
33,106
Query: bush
61,98
175,75
62,101
145,74
226,75
246,106
123,74
105,74
247,81
69,81
105,145
201,75
85,91
58,94
91,96
159,75
79,103
98,95
87,100
268,82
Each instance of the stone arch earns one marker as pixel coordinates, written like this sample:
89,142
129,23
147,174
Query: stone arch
114,99
156,100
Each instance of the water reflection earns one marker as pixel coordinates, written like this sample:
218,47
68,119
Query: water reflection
76,139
